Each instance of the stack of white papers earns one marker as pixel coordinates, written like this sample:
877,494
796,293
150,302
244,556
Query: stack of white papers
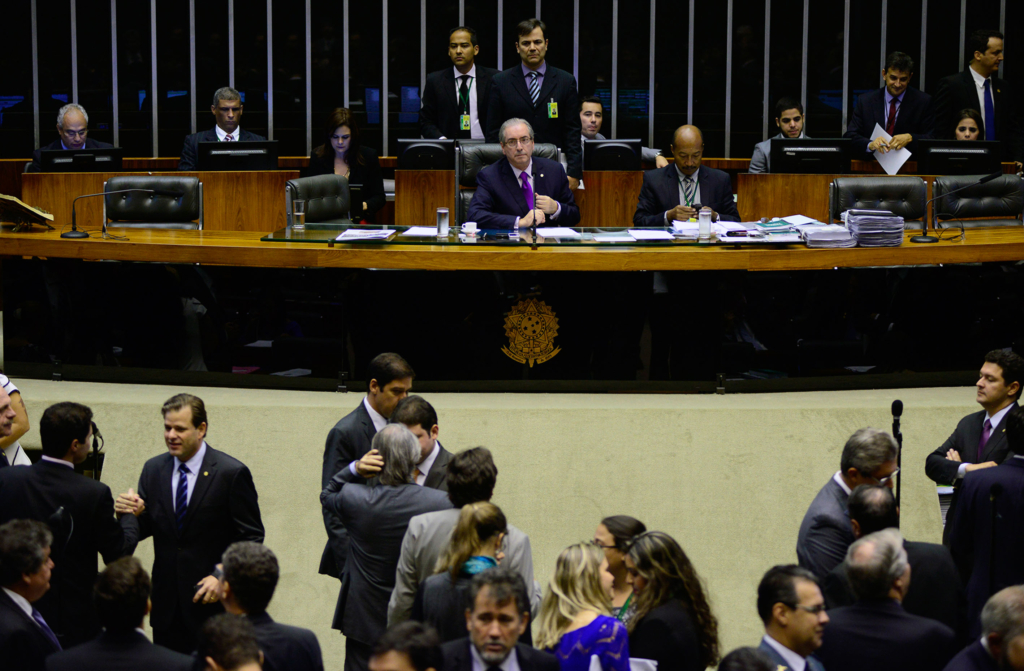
822,236
875,228
556,232
685,229
420,232
358,234
649,234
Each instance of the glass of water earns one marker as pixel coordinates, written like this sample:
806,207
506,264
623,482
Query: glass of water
298,215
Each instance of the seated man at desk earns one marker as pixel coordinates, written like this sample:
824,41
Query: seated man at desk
905,113
789,117
591,119
227,110
679,191
72,127
522,191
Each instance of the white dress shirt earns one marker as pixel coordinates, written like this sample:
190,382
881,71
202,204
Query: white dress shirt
379,422
193,464
795,661
979,83
59,461
511,662
838,477
15,455
21,602
221,134
476,131
428,463
994,419
533,187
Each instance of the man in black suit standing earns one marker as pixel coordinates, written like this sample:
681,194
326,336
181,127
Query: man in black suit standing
121,594
876,632
194,501
499,615
227,110
72,127
454,102
80,512
543,95
979,440
249,577
420,417
903,112
25,565
409,646
1001,645
389,380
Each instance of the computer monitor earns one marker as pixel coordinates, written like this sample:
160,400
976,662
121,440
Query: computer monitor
260,155
612,154
829,156
355,202
417,154
950,157
81,160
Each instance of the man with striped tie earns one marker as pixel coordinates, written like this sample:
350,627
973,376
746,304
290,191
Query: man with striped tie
194,501
227,110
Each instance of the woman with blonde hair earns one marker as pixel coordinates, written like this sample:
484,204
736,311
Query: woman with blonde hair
475,546
575,616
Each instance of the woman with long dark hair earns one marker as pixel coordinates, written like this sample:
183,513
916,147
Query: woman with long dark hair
970,126
613,535
343,154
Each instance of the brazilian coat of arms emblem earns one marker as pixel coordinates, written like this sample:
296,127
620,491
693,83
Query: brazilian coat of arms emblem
531,327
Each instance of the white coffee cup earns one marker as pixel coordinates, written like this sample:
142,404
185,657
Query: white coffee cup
470,229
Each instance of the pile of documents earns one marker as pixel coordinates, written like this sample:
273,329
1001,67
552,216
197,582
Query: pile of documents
824,236
875,228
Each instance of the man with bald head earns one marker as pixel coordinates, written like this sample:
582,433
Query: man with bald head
680,191
73,129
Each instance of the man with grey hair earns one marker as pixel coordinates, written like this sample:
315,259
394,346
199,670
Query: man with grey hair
73,129
25,564
376,519
1001,645
876,632
227,110
522,191
869,458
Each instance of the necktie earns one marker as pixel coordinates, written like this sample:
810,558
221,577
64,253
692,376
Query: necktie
416,474
37,616
464,104
990,112
890,127
181,499
3,460
534,86
228,138
688,189
984,437
527,191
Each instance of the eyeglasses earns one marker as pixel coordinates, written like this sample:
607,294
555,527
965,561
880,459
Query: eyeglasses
886,479
598,543
525,141
76,133
813,610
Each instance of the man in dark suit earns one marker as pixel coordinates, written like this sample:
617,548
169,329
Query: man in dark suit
25,564
376,519
227,110
679,191
499,615
793,611
249,577
1002,635
543,95
420,417
454,101
869,458
903,112
979,87
979,440
389,379
80,512
72,127
523,191
121,594
194,501
876,632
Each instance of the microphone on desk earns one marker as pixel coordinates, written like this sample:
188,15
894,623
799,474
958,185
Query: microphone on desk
897,412
77,234
924,237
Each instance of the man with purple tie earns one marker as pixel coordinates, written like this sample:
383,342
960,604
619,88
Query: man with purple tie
25,637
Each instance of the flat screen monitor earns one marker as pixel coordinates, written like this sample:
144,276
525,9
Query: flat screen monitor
355,202
81,160
260,155
612,154
829,156
951,157
417,154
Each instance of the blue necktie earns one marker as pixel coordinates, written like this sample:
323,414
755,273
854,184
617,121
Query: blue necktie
990,112
37,616
181,500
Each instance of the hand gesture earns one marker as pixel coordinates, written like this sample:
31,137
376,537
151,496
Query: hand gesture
546,204
532,218
129,503
208,590
370,465
681,213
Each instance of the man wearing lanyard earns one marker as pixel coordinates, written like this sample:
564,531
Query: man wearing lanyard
454,103
905,113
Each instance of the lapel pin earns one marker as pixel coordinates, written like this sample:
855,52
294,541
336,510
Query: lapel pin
542,174
205,473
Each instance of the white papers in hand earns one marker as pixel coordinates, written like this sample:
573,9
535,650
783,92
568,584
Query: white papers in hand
893,160
556,232
644,234
799,219
356,234
420,232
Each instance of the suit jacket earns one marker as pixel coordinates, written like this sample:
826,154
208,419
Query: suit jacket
286,648
972,658
668,635
499,195
964,440
957,92
437,476
349,440
424,542
367,174
376,519
88,528
223,509
780,662
120,651
509,98
916,116
23,645
761,160
971,535
825,533
440,108
660,193
457,657
37,155
190,150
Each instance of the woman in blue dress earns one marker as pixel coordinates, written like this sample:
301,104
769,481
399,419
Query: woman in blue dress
575,616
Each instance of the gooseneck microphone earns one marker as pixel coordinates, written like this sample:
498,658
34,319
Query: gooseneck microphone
924,237
74,233
897,412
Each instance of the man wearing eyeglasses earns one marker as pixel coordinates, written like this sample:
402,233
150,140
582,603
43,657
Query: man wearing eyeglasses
869,458
793,611
73,129
522,191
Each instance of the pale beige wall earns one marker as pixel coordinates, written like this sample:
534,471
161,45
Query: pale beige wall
729,476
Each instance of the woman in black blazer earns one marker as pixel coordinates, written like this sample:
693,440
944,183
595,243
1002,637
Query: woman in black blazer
673,624
342,154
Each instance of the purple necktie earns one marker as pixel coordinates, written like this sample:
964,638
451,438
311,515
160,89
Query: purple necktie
527,191
984,437
46,629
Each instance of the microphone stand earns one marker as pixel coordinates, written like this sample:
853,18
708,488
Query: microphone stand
898,435
924,237
76,234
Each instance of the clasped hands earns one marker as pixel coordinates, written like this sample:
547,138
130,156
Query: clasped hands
684,213
885,146
544,207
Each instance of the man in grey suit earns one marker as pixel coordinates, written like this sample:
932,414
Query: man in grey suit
471,478
376,519
420,417
789,117
591,120
869,458
793,611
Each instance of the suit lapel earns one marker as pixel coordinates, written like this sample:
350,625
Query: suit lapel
165,493
438,468
671,185
449,88
7,602
207,472
550,79
519,84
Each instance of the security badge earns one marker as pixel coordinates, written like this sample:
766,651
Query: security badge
552,110
464,122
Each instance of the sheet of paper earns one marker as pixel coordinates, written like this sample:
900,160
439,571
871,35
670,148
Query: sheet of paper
613,237
891,161
685,227
355,234
420,232
557,232
639,234
799,219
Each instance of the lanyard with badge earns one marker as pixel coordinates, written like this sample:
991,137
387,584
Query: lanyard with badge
696,185
464,121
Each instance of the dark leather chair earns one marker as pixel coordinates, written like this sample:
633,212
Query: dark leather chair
471,158
327,198
1000,201
146,210
904,196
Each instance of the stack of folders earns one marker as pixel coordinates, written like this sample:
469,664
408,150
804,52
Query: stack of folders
824,236
875,228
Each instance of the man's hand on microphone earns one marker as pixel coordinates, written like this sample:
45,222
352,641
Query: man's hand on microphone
532,218
546,204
